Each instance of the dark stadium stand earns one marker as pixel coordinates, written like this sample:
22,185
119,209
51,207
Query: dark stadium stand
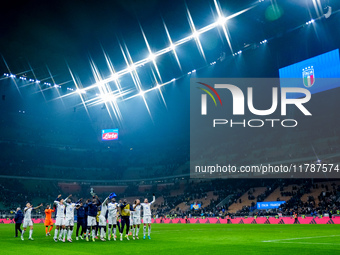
174,198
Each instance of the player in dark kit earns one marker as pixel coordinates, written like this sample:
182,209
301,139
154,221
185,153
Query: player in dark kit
19,217
81,215
91,218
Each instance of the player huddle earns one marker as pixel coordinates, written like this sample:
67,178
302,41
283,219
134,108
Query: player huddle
94,217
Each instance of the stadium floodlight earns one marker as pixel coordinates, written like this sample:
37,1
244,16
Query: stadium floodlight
310,22
172,46
115,76
141,93
152,57
81,91
221,20
107,98
195,34
131,68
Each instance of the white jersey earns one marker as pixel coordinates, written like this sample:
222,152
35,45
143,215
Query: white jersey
136,213
60,209
27,213
147,207
104,208
113,208
70,210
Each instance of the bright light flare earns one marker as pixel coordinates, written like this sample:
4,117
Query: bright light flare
172,46
221,21
81,91
152,57
131,68
195,34
141,93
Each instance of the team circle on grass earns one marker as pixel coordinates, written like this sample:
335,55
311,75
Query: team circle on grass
95,219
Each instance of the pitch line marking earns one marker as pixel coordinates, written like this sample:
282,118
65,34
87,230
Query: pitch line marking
311,243
297,238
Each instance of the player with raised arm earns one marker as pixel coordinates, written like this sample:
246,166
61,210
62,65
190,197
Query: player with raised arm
147,215
102,219
69,219
60,219
28,220
112,218
48,220
91,218
136,219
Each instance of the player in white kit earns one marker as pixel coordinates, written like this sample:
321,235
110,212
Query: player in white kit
136,219
60,220
132,229
28,220
102,219
112,218
69,218
147,215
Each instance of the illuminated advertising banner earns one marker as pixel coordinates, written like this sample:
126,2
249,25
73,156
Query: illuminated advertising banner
269,205
109,134
195,206
311,74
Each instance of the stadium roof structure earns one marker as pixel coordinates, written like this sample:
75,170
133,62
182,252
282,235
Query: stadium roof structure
72,69
109,53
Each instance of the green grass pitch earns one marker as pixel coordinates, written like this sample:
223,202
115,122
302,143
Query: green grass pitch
189,239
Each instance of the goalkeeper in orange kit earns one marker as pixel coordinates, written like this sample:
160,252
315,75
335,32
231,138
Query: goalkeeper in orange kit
48,220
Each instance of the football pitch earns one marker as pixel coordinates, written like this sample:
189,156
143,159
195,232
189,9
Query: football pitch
189,239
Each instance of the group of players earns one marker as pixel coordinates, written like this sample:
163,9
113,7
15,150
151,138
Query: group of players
107,211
